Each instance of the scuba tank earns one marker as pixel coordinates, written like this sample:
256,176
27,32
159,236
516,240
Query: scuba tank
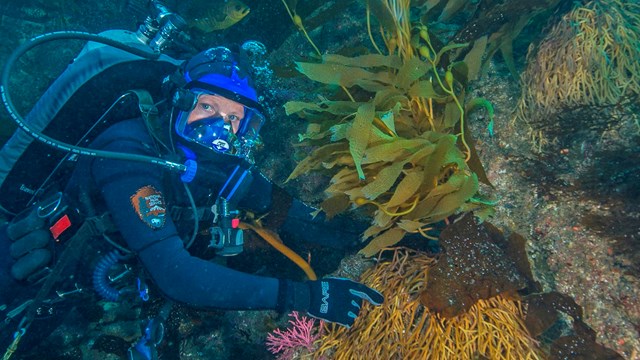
75,104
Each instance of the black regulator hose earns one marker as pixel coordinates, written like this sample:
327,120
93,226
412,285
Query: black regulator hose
75,35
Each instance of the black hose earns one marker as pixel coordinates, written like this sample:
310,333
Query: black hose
76,35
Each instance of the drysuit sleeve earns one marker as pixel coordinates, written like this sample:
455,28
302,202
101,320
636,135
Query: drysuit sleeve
133,194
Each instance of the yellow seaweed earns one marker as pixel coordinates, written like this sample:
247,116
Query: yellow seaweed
589,59
389,151
401,129
364,61
403,328
311,162
335,205
383,181
412,70
347,76
385,240
358,135
407,188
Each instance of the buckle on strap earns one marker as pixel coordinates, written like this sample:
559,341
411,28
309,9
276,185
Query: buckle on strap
97,225
145,103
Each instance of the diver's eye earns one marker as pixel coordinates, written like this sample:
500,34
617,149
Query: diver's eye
206,107
233,118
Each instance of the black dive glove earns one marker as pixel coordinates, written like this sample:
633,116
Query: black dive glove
30,247
339,300
336,300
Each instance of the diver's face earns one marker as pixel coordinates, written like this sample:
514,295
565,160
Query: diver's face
217,106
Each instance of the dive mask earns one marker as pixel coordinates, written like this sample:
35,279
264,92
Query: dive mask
216,134
212,133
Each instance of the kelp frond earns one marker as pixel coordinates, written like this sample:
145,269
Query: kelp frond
403,132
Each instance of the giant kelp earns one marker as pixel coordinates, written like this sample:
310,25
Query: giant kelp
497,22
492,25
396,140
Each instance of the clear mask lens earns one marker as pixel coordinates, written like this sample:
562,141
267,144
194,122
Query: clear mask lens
213,133
217,134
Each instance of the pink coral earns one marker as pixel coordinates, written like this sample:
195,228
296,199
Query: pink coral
301,334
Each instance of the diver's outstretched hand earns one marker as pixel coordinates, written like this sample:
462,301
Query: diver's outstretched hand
338,300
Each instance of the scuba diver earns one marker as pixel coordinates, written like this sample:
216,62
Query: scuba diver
210,123
222,116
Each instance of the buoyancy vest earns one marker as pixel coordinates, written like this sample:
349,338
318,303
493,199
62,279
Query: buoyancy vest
69,110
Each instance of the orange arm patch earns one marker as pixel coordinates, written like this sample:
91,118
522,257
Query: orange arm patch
148,203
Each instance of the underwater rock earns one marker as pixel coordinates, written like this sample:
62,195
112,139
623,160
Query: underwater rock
544,310
111,345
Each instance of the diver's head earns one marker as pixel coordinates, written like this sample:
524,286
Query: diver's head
218,104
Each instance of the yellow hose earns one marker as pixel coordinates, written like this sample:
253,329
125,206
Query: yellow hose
13,346
274,240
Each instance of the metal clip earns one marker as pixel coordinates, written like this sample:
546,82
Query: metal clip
17,311
77,289
126,271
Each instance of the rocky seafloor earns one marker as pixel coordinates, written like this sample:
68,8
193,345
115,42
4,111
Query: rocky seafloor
576,201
